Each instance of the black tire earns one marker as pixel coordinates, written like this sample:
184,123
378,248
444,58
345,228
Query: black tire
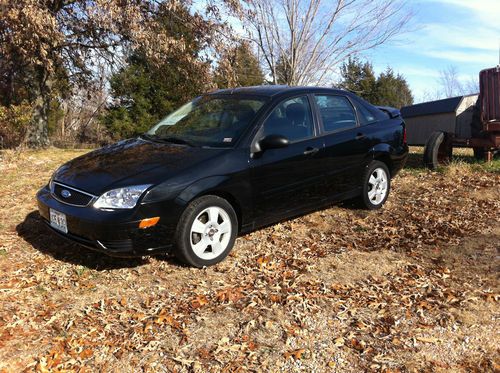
183,249
438,150
479,153
367,201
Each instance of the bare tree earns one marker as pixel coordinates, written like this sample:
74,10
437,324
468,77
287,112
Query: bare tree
450,82
452,86
310,38
471,86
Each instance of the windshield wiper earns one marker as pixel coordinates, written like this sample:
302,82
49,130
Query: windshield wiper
148,136
176,140
171,139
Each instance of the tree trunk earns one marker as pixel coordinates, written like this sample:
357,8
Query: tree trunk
37,134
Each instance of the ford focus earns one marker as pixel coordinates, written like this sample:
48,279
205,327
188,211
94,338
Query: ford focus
226,163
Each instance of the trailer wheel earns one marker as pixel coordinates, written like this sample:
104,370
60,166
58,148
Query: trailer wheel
479,153
438,149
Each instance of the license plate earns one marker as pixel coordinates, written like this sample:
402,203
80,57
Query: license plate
58,221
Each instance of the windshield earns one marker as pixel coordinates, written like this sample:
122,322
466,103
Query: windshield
208,121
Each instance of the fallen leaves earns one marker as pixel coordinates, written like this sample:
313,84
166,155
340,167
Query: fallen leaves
230,295
272,305
296,354
428,339
199,301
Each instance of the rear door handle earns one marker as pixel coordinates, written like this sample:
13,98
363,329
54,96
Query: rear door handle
360,136
310,151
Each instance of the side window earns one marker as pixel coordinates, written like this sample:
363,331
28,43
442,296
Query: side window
336,112
365,116
292,118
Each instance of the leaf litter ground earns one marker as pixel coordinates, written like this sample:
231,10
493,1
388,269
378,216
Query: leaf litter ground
411,287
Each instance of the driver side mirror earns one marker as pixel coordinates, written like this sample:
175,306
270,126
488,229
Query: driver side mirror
272,142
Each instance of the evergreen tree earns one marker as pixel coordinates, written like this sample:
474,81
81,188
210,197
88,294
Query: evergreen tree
144,91
358,78
388,89
283,71
239,67
392,90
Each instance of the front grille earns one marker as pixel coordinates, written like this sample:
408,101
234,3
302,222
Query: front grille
71,196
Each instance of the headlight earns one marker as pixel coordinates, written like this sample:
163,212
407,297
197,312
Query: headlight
121,198
51,183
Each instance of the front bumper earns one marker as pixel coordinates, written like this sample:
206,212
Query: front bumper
114,232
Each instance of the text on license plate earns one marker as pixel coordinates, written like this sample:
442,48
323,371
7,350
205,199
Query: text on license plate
58,221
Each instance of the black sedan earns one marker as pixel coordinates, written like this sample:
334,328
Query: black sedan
226,163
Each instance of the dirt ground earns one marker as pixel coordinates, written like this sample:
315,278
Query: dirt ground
411,287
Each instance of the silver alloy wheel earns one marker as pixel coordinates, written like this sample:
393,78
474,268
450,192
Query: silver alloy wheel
377,186
210,233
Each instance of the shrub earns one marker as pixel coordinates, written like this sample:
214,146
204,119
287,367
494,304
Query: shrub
14,121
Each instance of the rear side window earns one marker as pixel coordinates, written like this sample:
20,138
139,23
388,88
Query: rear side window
336,112
368,112
292,118
365,116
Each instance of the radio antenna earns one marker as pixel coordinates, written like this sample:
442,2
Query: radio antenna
498,66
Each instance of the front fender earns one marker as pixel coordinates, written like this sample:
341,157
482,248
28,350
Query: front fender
201,186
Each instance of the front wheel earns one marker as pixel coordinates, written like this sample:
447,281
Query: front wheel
376,185
206,231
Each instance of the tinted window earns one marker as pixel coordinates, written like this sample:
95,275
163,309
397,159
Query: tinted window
292,119
365,116
374,112
336,112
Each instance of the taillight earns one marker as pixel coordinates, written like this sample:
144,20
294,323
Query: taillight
404,135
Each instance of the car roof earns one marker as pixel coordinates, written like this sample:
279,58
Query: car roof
274,90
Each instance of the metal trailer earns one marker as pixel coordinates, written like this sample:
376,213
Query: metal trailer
465,121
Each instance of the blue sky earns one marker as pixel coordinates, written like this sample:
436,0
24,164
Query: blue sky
460,33
464,34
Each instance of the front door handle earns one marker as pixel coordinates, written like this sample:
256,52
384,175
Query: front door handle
360,136
310,151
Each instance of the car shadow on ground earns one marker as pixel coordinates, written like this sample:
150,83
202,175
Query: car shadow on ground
34,231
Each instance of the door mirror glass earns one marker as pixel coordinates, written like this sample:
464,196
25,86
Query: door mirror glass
273,142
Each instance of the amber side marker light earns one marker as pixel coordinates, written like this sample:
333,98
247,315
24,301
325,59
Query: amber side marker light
151,222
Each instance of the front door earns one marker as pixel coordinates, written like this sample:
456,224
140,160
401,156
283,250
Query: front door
288,180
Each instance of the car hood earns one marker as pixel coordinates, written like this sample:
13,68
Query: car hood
130,162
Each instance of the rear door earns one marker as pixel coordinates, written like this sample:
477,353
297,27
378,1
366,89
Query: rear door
288,180
346,144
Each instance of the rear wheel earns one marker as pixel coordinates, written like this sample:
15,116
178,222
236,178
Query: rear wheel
376,185
206,231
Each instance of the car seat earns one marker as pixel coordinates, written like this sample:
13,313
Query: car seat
296,116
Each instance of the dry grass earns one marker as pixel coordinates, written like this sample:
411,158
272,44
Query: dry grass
412,287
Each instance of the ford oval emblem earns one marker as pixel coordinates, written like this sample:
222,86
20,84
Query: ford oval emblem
65,193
